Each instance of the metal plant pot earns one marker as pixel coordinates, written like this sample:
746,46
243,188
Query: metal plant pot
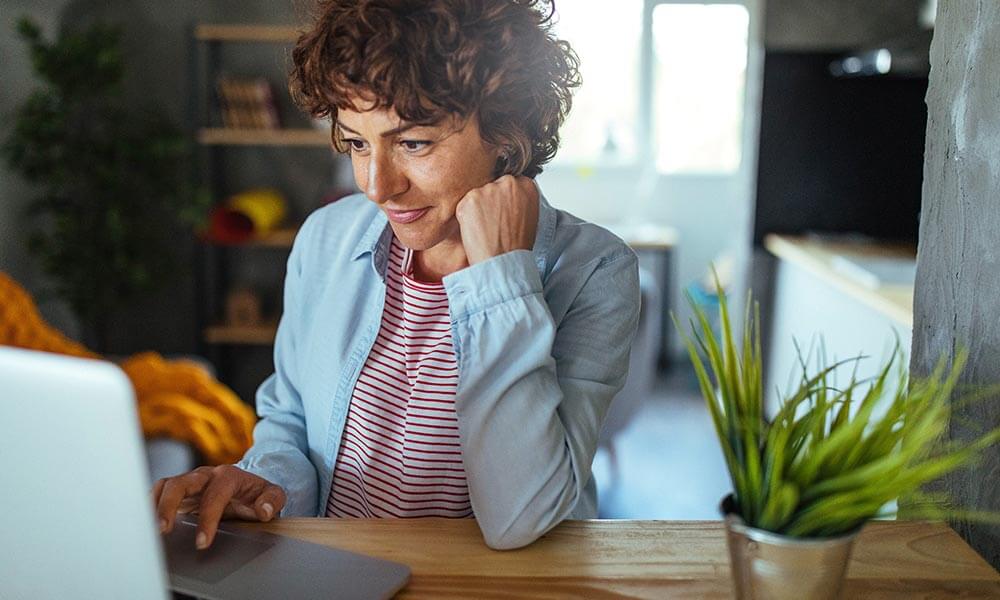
770,566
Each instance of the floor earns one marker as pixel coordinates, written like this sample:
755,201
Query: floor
669,462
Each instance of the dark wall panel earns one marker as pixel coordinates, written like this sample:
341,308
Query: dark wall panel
838,155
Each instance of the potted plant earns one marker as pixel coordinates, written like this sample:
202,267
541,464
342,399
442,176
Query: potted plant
112,176
807,479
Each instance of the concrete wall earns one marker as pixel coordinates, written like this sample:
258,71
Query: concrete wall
957,301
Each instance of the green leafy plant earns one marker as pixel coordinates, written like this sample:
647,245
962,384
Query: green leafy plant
825,463
112,176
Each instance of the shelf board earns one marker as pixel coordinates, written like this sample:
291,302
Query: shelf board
219,136
279,238
254,335
247,33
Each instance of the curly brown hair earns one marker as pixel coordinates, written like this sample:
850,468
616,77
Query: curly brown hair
496,60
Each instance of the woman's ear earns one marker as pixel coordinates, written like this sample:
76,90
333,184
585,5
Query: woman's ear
502,164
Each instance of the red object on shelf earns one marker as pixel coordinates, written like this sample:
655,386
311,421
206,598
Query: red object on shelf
227,226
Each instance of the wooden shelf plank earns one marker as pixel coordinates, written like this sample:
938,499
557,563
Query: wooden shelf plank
279,238
246,33
219,136
256,335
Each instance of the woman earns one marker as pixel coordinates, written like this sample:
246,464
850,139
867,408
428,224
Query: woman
450,343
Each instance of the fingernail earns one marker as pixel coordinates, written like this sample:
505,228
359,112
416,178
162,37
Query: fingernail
268,509
163,525
201,542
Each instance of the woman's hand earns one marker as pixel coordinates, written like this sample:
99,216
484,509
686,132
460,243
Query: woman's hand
214,493
498,217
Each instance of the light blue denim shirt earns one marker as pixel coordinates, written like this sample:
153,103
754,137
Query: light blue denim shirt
541,338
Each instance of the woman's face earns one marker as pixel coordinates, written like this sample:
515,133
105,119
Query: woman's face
416,174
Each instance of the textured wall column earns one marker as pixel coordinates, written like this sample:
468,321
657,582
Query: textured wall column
957,300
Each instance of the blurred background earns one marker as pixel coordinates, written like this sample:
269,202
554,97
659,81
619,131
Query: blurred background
780,141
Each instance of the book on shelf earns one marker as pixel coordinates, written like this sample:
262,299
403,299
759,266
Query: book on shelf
247,103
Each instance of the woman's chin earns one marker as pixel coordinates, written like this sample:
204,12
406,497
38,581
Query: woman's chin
427,233
411,237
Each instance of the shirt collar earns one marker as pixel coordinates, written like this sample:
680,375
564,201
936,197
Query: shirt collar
378,236
370,240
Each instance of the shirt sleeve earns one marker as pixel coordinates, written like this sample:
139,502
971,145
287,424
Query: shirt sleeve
532,392
280,447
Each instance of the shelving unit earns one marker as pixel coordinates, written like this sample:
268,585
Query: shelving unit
224,344
220,136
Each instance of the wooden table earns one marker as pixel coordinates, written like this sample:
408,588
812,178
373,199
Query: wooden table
638,559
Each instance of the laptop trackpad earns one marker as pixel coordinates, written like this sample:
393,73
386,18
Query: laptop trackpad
227,554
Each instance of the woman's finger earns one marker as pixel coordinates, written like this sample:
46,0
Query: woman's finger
189,506
173,493
240,510
214,501
154,494
270,502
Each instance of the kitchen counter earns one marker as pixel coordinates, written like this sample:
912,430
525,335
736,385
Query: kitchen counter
833,299
877,274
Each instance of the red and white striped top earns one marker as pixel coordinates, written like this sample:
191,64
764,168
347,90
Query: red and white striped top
399,455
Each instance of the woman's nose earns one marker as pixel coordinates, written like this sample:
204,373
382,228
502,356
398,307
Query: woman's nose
385,179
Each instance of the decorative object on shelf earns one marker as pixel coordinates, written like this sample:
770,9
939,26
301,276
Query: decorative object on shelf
247,103
113,187
243,308
244,216
175,398
832,458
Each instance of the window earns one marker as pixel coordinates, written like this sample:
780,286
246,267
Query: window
603,124
699,76
697,60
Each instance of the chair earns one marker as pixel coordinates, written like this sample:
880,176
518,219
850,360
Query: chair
641,372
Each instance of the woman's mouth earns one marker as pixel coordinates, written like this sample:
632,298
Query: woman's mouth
405,216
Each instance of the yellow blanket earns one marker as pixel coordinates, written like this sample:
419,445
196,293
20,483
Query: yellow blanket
176,398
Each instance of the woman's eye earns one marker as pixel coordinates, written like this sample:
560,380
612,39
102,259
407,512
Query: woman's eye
354,144
414,145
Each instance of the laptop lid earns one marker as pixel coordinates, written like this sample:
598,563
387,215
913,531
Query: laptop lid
76,520
75,516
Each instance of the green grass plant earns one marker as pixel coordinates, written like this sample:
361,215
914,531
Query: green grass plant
831,458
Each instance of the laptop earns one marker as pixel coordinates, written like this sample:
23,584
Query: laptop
76,520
